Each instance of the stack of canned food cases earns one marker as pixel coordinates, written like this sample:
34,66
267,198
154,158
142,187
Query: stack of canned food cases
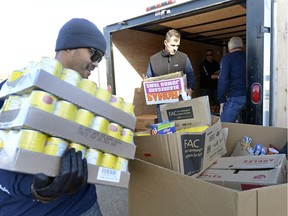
71,112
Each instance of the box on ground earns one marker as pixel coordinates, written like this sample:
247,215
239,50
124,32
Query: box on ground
187,153
165,89
247,172
155,190
144,122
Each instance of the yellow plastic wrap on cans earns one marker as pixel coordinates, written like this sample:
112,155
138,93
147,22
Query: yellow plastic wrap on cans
15,75
126,135
84,117
88,86
55,146
71,76
103,94
51,65
100,124
114,130
108,160
12,102
32,140
128,108
116,101
65,110
121,164
93,156
42,100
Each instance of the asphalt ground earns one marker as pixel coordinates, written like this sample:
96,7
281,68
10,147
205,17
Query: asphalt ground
113,201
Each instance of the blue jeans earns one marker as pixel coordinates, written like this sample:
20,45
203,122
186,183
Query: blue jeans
233,108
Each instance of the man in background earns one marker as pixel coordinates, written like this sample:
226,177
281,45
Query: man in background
232,87
170,60
209,73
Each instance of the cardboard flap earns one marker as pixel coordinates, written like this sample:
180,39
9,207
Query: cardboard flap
189,113
249,162
153,149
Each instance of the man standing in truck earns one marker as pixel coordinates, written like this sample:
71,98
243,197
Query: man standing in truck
209,73
170,60
232,88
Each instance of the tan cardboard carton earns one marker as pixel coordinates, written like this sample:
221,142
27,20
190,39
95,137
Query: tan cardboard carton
165,89
54,85
33,118
155,190
144,122
189,113
247,172
32,162
187,153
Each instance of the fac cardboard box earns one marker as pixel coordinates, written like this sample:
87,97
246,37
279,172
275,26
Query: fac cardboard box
187,114
187,153
165,89
247,172
155,190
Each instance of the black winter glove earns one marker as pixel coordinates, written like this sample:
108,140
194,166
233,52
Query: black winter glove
72,176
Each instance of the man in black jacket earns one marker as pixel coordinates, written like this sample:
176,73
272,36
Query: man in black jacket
170,60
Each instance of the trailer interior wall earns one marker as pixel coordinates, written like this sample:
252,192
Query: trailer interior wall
132,50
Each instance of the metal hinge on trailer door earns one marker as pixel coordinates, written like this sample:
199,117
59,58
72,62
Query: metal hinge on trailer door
263,29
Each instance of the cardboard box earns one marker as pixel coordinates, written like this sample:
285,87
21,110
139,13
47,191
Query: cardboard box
54,85
155,190
33,163
247,172
189,113
33,118
187,153
54,125
144,122
159,90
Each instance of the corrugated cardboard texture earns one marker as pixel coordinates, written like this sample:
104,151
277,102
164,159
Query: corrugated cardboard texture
33,163
144,122
140,103
156,191
189,113
187,153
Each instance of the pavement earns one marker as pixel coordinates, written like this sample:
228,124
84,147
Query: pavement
113,201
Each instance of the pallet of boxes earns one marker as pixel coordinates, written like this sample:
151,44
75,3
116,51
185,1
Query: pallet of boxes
49,109
193,164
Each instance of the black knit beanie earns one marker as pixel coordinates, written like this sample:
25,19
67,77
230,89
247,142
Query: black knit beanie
80,33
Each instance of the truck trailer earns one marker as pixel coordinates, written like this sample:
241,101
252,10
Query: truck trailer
203,24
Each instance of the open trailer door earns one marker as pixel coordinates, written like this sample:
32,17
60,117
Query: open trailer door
258,47
203,24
